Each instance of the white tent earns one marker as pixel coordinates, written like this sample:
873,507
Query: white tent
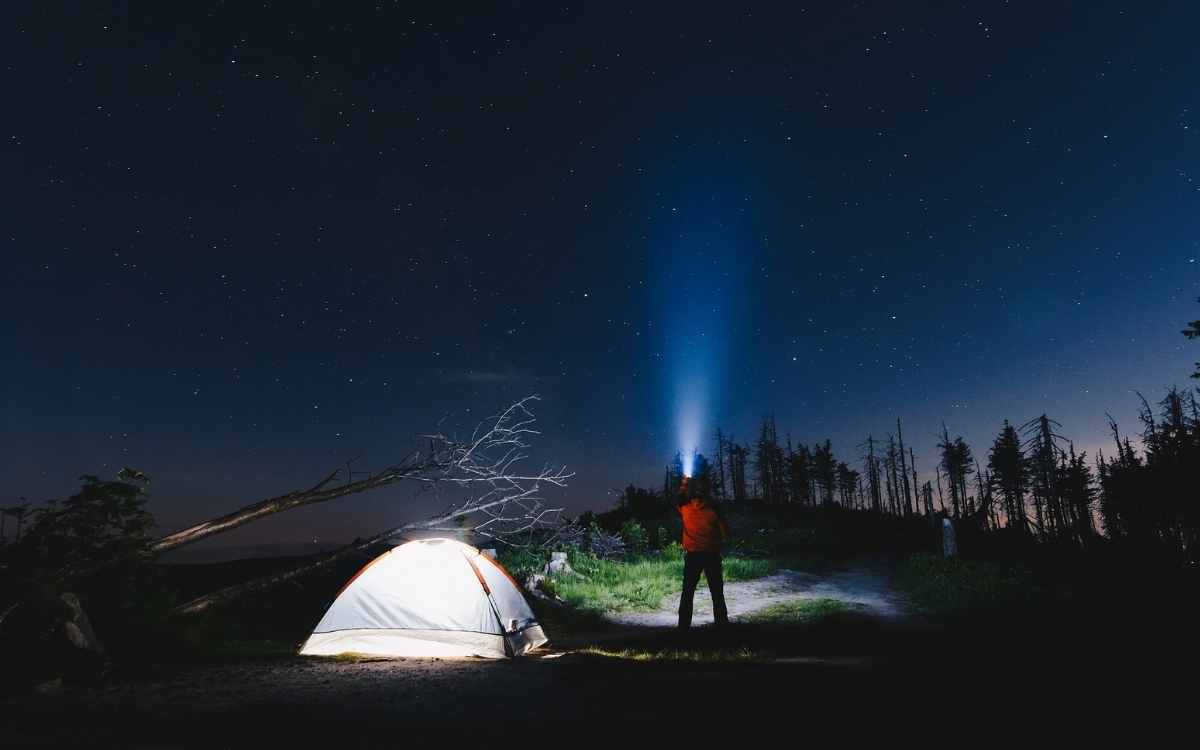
433,597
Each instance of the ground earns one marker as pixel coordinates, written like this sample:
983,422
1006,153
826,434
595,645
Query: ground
868,659
864,583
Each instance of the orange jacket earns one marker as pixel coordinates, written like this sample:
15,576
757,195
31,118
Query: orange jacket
703,529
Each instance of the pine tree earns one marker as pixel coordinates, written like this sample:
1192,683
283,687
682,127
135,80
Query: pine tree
800,476
1193,332
1010,476
956,462
825,471
1042,451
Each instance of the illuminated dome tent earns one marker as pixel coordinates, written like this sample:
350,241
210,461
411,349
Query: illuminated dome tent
433,597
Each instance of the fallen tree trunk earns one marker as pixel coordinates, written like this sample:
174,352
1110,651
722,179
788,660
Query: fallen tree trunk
317,494
229,593
482,466
486,458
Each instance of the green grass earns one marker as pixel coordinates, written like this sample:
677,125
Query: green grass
956,587
744,654
639,585
802,612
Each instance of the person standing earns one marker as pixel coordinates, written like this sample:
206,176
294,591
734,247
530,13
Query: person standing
704,530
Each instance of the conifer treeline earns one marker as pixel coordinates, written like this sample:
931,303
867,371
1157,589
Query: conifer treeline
1032,481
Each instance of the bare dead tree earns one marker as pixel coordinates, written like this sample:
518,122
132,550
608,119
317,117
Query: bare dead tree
484,464
504,502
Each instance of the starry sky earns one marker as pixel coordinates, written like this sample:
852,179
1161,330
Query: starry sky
246,242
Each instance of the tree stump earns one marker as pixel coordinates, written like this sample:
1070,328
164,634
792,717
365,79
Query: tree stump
949,541
558,564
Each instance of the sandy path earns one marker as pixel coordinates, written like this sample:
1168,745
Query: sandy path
867,584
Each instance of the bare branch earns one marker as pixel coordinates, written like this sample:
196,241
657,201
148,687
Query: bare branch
482,464
504,501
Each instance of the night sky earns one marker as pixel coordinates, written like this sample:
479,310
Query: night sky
244,242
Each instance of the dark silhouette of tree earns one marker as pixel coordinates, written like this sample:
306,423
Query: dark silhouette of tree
103,525
956,462
720,485
912,466
986,512
1152,499
908,504
800,475
1119,480
937,473
825,471
1010,476
1193,332
4,514
893,481
927,493
873,471
769,463
1079,493
1041,446
18,512
847,483
738,455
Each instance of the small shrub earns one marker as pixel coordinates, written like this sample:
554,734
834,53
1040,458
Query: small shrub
522,562
672,550
661,537
604,544
637,541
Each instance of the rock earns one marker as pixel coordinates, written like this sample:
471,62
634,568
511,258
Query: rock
49,637
78,627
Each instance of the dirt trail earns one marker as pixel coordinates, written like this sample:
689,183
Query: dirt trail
866,583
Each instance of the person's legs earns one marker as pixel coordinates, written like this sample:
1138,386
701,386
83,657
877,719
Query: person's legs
716,586
693,565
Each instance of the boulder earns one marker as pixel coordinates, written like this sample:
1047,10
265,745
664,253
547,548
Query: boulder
78,627
48,637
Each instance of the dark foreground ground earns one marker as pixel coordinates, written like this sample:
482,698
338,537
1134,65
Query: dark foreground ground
854,676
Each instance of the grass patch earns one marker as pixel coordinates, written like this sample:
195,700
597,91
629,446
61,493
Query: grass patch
640,585
957,587
802,612
694,656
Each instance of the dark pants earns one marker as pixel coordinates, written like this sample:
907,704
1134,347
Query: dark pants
710,564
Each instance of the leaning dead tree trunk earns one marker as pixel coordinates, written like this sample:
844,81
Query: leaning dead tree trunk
483,467
270,506
447,461
235,591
